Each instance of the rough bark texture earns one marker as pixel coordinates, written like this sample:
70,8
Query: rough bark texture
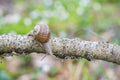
62,47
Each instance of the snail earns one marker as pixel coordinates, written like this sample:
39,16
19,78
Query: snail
41,33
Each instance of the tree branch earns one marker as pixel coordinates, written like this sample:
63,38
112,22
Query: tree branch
62,47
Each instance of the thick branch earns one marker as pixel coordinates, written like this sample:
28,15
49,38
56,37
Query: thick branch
62,47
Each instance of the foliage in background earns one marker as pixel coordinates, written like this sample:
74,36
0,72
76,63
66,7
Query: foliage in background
71,17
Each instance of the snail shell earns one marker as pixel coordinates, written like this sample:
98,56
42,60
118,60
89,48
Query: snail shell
42,32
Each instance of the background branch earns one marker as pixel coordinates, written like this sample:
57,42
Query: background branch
62,47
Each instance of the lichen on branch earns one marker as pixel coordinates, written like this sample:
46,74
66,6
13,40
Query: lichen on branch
62,47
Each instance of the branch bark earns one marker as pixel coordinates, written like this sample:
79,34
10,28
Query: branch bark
62,47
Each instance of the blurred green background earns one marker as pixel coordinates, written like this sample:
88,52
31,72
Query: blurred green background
66,18
87,19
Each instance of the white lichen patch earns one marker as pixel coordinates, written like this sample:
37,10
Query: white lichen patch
56,42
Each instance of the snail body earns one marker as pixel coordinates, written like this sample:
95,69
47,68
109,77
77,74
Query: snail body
41,33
